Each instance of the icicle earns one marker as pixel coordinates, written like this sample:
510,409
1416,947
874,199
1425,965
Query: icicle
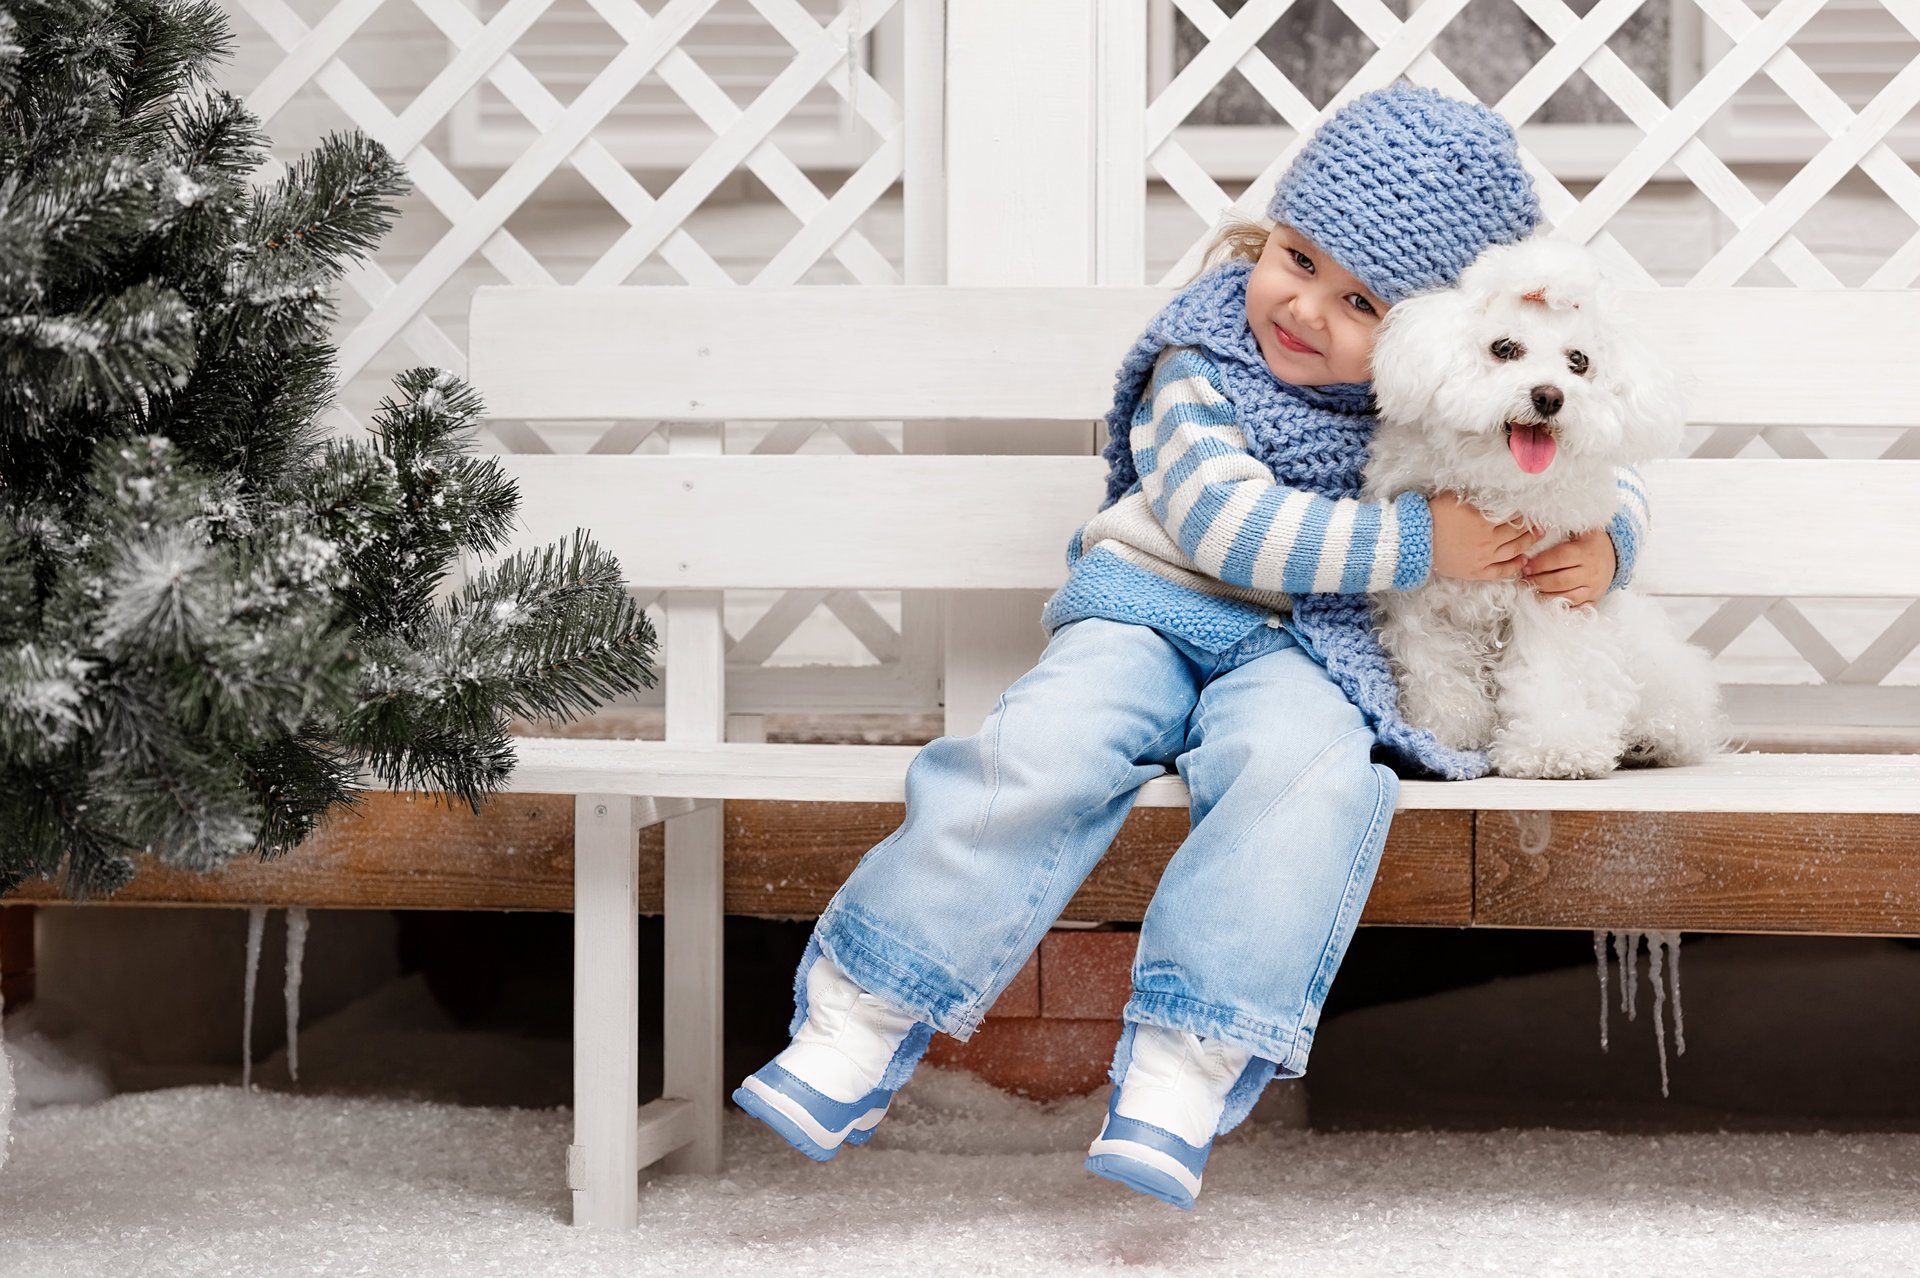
1656,952
296,957
256,929
1619,944
1663,960
1679,1014
1630,974
1600,939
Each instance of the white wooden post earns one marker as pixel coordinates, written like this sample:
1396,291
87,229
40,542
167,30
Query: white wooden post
923,104
603,1166
696,701
1119,215
924,196
1035,195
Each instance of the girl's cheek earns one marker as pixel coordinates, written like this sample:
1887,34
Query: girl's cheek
1366,349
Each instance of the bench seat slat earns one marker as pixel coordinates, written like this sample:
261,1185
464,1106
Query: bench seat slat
1721,527
877,774
1750,356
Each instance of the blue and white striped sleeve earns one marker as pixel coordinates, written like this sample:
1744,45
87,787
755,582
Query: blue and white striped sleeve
1629,525
1226,512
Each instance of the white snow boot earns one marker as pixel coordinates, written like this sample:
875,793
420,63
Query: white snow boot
1164,1112
824,1089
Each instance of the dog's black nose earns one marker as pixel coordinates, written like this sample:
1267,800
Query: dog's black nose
1547,400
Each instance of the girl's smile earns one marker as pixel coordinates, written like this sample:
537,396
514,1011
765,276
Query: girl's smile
1293,343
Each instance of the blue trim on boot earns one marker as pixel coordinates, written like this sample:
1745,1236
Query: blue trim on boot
1140,1178
784,1126
1141,1173
836,1119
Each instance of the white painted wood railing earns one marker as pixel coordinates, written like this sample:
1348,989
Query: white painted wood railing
1760,537
694,522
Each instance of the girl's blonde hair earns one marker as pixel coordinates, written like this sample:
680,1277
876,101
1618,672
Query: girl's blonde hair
1238,236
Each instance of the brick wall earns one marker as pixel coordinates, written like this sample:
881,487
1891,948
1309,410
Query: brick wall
1053,1032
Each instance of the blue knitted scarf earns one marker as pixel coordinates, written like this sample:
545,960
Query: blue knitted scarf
1312,438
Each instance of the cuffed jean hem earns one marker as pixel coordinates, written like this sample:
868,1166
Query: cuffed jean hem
898,975
1240,1097
905,1057
1286,1048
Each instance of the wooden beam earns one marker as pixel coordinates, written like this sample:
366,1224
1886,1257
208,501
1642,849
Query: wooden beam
1425,876
783,860
1712,872
1702,871
399,852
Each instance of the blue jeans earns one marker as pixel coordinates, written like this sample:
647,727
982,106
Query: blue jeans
1253,913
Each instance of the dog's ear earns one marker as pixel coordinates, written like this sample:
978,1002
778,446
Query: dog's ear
1647,387
1418,350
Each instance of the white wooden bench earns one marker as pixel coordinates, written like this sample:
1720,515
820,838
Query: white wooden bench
696,522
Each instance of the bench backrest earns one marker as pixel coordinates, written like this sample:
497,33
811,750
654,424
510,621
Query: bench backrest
1752,359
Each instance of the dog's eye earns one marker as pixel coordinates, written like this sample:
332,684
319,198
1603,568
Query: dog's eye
1506,349
1577,361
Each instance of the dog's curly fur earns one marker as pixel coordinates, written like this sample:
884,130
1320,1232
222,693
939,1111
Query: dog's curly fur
1548,690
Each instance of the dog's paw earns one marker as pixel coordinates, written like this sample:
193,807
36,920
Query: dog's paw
1552,763
1695,743
1459,715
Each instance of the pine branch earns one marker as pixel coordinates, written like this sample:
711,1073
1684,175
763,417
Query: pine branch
332,203
107,358
216,133
172,44
555,630
51,834
19,586
458,501
252,416
449,501
205,147
469,761
213,619
66,229
296,779
11,51
74,49
42,694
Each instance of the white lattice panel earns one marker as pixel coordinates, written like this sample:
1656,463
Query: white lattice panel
711,142
721,142
1831,86
652,126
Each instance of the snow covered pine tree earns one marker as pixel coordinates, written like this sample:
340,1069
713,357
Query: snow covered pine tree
214,619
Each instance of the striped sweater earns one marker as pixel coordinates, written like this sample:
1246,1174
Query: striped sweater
1207,546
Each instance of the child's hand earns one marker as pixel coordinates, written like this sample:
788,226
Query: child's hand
1578,570
1470,547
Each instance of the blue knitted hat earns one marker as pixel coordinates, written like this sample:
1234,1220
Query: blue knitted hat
1405,187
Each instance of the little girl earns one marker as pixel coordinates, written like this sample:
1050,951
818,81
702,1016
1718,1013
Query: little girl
1214,621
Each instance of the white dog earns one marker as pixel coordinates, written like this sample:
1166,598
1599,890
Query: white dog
1523,391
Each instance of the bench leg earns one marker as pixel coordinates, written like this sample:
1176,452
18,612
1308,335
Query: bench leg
693,970
603,1166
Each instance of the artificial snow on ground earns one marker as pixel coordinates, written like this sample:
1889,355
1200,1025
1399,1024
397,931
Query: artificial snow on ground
962,1179
959,1179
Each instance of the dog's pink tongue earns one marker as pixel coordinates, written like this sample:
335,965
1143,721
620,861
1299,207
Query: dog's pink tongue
1532,447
